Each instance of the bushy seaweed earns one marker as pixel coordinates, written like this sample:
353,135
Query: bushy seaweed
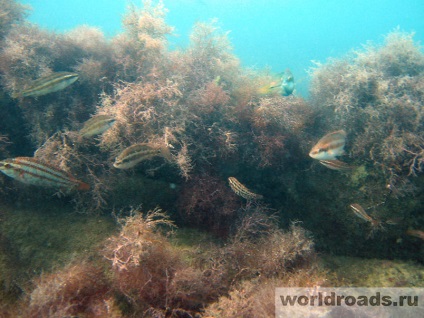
215,121
376,96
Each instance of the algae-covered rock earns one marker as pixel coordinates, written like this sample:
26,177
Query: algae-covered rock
39,239
351,271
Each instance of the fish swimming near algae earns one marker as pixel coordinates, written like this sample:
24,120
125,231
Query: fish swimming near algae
33,171
242,191
328,148
284,85
287,83
137,153
96,125
336,165
48,84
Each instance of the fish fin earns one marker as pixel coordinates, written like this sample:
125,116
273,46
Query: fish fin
264,90
335,164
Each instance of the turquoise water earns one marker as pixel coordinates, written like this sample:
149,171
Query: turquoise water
277,34
267,188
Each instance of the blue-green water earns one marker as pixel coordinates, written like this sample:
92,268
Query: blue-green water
278,34
267,189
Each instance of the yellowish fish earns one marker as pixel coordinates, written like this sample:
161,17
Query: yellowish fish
137,153
287,83
96,125
242,191
284,85
32,171
330,146
48,84
268,88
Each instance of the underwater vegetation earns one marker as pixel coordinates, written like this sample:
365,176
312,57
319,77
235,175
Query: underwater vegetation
261,179
11,12
376,97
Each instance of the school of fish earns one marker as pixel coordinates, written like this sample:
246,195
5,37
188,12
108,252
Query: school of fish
35,172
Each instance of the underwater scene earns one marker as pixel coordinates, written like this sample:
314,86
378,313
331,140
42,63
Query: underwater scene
144,178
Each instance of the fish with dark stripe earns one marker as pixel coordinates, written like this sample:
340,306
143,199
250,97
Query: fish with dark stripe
336,165
33,171
137,153
96,125
242,191
48,84
330,146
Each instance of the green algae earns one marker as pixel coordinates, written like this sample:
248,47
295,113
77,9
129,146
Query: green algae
359,176
36,240
361,272
194,245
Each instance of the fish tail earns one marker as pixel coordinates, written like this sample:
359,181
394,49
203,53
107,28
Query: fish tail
83,186
264,90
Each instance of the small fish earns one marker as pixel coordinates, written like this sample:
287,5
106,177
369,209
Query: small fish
330,146
336,165
287,83
48,84
96,125
137,153
416,233
360,212
394,221
33,171
242,191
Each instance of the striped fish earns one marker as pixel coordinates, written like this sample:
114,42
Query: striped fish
242,191
137,153
33,171
330,146
96,125
415,233
48,84
336,165
360,212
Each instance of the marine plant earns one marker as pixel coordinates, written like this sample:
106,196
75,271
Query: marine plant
141,49
375,95
207,202
65,152
78,289
11,12
271,254
29,53
142,261
233,161
256,298
154,276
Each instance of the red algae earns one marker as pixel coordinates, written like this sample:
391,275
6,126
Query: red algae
212,121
